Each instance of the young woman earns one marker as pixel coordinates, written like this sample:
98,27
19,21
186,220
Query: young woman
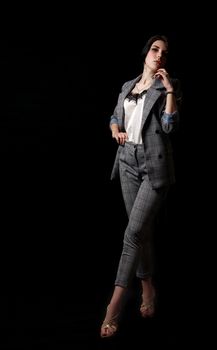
145,114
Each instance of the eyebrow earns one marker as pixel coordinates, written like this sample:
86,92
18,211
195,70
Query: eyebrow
154,45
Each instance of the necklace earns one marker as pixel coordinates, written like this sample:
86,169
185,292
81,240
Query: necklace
139,89
144,86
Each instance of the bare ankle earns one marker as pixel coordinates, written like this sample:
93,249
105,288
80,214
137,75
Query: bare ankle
148,289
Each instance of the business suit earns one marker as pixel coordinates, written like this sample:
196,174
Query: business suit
146,171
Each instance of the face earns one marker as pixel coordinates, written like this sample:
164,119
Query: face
156,56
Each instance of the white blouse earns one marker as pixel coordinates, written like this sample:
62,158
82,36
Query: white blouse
133,118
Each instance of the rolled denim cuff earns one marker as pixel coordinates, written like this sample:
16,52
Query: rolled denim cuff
169,118
113,120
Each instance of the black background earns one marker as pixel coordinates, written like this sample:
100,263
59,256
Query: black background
62,218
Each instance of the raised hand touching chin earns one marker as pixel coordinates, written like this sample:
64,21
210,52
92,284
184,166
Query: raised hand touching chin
162,74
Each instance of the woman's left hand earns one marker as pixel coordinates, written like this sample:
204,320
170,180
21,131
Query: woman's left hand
164,76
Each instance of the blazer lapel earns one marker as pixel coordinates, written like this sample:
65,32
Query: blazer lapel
152,95
122,97
128,88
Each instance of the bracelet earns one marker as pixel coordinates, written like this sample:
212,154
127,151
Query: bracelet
170,92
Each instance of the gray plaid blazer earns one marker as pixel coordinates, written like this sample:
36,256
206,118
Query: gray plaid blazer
155,132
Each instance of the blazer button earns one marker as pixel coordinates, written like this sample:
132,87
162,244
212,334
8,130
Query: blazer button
160,156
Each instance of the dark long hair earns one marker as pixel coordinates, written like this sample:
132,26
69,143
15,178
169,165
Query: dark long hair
150,41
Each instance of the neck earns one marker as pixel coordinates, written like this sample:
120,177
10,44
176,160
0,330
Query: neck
147,75
146,81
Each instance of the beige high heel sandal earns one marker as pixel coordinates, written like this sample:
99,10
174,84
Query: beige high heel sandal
147,309
109,326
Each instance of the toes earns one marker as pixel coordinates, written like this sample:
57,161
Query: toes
108,331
